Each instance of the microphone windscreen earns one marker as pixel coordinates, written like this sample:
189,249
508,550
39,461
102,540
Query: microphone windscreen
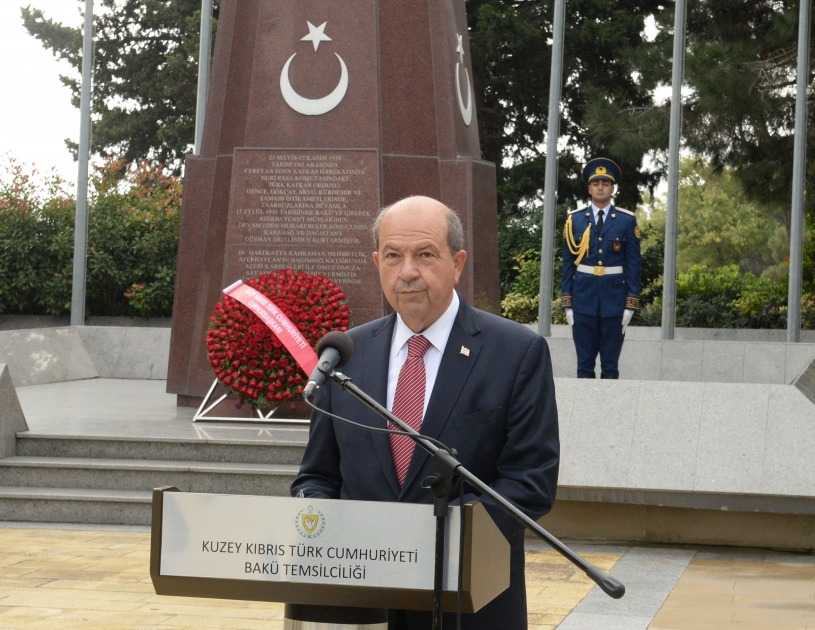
341,342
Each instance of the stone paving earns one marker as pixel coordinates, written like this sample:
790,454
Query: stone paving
703,588
98,578
58,579
740,594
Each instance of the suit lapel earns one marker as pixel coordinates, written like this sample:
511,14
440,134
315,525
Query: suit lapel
375,384
454,370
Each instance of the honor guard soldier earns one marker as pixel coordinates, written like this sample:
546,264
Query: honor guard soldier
600,290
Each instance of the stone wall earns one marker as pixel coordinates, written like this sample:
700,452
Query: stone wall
704,445
49,355
654,333
771,363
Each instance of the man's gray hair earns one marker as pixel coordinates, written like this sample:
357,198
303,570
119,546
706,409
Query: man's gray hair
455,231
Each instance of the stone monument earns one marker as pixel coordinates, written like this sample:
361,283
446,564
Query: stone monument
319,113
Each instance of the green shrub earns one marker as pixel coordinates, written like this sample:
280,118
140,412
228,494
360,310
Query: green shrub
522,302
724,297
808,312
528,268
36,242
132,242
520,308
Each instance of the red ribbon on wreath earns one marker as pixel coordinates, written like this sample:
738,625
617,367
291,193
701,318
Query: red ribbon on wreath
277,322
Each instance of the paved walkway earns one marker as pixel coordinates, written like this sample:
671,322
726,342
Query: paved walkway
64,579
58,579
750,593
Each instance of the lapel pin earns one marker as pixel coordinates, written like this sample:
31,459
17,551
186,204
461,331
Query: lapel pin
465,351
613,216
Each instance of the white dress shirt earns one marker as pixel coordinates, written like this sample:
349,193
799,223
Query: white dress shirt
596,212
437,334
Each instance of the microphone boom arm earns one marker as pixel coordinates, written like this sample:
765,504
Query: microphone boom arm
609,585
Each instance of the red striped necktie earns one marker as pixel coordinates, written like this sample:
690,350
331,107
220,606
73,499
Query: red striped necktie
408,403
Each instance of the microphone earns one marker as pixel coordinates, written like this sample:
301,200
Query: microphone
334,350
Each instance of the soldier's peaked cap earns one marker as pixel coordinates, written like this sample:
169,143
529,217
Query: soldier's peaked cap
602,167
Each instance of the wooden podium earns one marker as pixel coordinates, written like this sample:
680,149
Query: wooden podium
318,552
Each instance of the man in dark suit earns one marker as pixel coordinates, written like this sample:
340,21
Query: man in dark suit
479,383
600,290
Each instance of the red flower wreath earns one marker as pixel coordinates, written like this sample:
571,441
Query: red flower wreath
249,358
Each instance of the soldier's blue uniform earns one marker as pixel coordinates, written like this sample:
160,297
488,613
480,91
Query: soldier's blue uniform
601,278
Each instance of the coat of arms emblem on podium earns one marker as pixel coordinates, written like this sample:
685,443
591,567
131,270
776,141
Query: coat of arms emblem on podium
309,522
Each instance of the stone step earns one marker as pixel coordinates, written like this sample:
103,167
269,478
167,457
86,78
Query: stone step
144,475
266,451
70,505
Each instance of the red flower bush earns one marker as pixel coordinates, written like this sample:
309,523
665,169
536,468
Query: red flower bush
249,358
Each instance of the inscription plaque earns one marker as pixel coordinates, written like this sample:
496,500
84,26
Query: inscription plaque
310,211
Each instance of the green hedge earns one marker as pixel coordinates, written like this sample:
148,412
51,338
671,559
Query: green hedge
132,241
522,300
723,297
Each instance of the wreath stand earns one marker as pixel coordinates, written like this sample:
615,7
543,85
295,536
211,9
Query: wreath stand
207,406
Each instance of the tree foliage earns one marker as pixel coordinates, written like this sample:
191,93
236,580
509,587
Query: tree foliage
144,74
652,264
146,64
36,241
132,241
511,47
741,112
738,115
726,297
145,70
738,95
720,225
738,110
522,300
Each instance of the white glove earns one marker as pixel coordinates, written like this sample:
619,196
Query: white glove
627,315
570,317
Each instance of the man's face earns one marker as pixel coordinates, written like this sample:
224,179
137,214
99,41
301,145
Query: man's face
600,191
416,268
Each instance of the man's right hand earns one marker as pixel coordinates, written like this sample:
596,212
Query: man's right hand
569,316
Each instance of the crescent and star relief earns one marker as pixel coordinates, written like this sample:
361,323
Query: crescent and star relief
314,106
466,112
320,106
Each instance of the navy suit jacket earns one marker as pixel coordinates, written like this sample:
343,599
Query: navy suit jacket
617,244
496,407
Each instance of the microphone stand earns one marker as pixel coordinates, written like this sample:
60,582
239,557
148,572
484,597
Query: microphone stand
446,470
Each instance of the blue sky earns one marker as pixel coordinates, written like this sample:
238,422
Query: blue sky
35,112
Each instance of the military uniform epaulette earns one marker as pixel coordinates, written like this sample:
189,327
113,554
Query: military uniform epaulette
576,210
